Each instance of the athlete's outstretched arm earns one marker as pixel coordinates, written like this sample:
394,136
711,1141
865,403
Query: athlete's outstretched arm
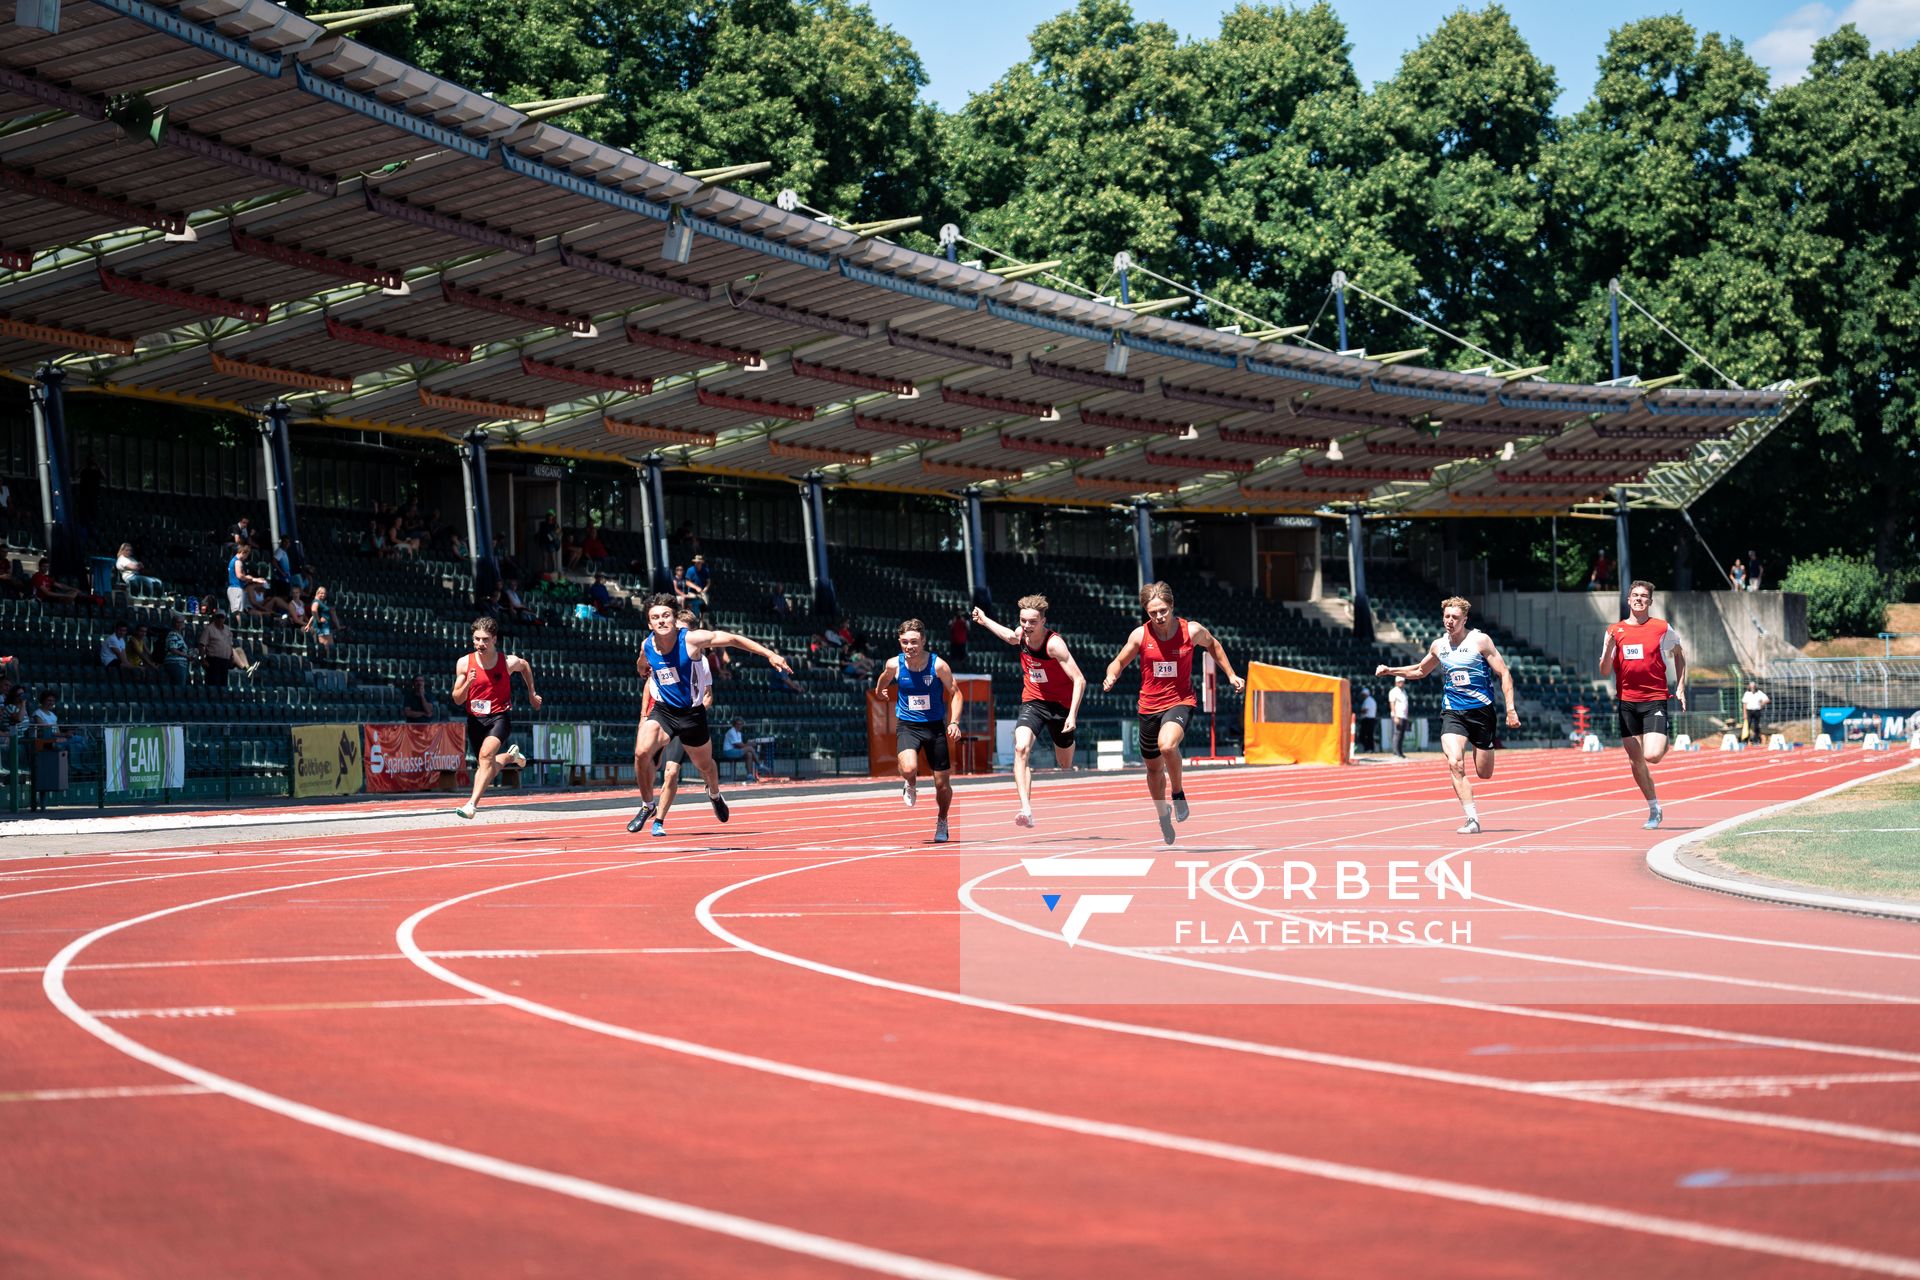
884,681
1498,665
525,669
955,701
1606,654
1205,639
1128,652
698,642
1057,650
462,678
1007,634
1679,665
1415,671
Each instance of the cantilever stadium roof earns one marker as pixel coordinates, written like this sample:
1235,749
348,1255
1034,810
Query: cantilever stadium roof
323,224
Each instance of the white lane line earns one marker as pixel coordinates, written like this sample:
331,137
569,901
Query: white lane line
1210,882
709,920
772,1235
233,1010
1659,1083
1326,1170
1664,861
499,953
104,1092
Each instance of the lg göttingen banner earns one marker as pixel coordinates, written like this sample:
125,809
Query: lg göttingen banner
142,759
327,760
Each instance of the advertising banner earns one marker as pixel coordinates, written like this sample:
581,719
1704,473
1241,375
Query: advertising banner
327,760
145,758
564,744
1297,717
417,757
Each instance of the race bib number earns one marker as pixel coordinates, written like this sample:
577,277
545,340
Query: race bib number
1633,652
1460,679
919,702
481,706
667,676
1039,675
1166,670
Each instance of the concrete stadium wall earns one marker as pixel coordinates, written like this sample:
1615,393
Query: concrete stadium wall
1719,628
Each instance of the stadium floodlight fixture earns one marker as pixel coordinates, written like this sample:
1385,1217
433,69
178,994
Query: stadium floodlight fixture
1334,452
1506,452
1117,357
677,245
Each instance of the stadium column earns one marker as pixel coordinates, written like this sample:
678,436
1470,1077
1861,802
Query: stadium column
50,447
486,570
1143,540
1623,561
659,558
813,514
976,549
1357,571
276,447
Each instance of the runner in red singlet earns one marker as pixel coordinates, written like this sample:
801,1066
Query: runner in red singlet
1165,646
483,684
1051,687
1639,654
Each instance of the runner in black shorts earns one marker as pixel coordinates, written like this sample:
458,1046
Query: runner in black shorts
483,684
1637,719
928,739
1051,687
1150,728
1480,726
673,757
1049,718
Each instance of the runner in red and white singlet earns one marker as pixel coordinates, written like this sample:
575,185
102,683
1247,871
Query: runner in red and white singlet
483,683
1165,647
1640,654
1051,687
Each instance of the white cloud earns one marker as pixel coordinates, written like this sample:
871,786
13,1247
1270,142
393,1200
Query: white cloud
1788,48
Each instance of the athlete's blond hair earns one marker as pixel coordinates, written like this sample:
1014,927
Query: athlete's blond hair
1456,602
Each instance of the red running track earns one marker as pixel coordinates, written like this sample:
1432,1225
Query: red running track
795,1045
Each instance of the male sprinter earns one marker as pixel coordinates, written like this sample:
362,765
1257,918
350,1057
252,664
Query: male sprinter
483,683
1469,662
927,707
1165,646
670,653
1639,653
673,756
1047,671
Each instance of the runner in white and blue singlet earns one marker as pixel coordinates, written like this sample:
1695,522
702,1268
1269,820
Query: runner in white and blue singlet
927,708
669,656
1468,663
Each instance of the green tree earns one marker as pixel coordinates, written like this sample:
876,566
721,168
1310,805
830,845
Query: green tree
1099,142
818,87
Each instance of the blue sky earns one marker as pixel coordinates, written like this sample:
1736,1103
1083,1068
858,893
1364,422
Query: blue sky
967,46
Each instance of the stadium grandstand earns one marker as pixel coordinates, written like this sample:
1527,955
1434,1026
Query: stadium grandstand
439,317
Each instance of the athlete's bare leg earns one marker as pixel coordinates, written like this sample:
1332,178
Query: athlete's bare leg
646,745
907,763
669,788
1172,734
1643,750
1023,766
1157,782
484,770
943,792
1456,747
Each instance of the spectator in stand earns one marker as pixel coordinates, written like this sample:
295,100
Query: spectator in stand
48,591
141,660
1601,573
218,653
132,574
570,552
735,745
958,632
113,647
1737,575
1754,568
600,597
1754,703
784,682
845,631
415,709
13,712
46,720
592,549
830,639
681,592
859,670
781,606
400,541
293,607
700,583
175,649
242,532
16,582
286,558
514,608
1369,721
238,579
320,623
546,537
